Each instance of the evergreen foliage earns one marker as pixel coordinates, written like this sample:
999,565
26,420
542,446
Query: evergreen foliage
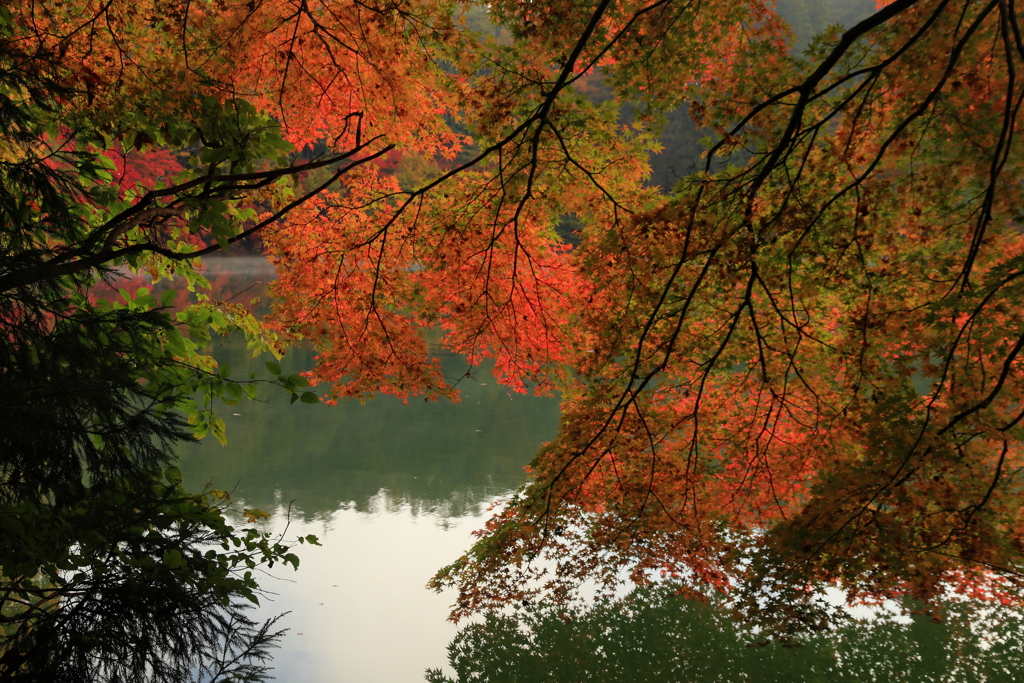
109,570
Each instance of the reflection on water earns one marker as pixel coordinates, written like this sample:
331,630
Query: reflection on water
656,637
439,458
393,491
359,612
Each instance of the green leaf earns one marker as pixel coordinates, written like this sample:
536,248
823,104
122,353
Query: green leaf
172,474
218,430
273,368
213,156
309,397
252,514
172,558
234,391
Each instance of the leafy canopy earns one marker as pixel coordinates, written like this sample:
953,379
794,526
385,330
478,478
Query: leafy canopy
801,367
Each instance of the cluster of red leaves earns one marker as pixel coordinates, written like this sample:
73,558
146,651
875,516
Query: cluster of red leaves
815,362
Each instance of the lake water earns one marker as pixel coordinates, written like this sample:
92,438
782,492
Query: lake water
392,491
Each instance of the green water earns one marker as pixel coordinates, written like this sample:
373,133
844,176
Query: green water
439,457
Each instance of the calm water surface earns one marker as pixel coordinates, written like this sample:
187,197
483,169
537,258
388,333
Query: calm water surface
392,491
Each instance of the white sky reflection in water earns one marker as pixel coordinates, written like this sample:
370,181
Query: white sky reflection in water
359,601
